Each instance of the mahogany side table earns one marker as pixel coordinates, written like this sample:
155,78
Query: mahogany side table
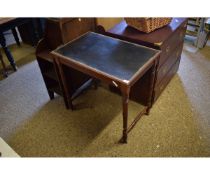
112,61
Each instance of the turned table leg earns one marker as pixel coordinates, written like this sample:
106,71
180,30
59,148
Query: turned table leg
14,32
125,99
7,51
151,87
64,86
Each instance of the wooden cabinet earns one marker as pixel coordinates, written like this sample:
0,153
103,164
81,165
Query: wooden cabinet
31,31
161,86
62,30
168,63
168,39
59,31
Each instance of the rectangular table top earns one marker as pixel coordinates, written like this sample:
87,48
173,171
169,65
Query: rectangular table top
110,56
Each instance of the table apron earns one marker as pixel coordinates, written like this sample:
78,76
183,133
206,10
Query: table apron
13,23
102,76
95,74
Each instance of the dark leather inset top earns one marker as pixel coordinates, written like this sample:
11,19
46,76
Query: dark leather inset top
114,57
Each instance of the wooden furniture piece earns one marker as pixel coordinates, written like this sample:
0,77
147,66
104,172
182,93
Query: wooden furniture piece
37,26
168,39
4,70
10,24
112,61
59,31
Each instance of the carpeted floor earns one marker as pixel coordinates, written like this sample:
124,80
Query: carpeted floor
179,123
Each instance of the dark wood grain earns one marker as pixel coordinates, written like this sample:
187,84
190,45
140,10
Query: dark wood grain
168,39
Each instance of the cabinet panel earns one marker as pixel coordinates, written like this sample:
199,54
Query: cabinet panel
76,27
168,47
167,39
159,89
163,69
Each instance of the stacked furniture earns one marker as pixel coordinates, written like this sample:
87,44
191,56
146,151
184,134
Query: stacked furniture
136,72
58,32
168,39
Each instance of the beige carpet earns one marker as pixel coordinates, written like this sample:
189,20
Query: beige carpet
179,123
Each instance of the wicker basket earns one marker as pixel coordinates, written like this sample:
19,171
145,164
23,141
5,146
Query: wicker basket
147,24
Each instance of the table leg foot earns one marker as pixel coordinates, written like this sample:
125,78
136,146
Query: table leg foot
95,83
51,95
66,103
148,111
123,139
14,67
71,105
5,75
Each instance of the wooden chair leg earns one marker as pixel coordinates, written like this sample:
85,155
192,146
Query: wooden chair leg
14,32
7,51
4,71
51,94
